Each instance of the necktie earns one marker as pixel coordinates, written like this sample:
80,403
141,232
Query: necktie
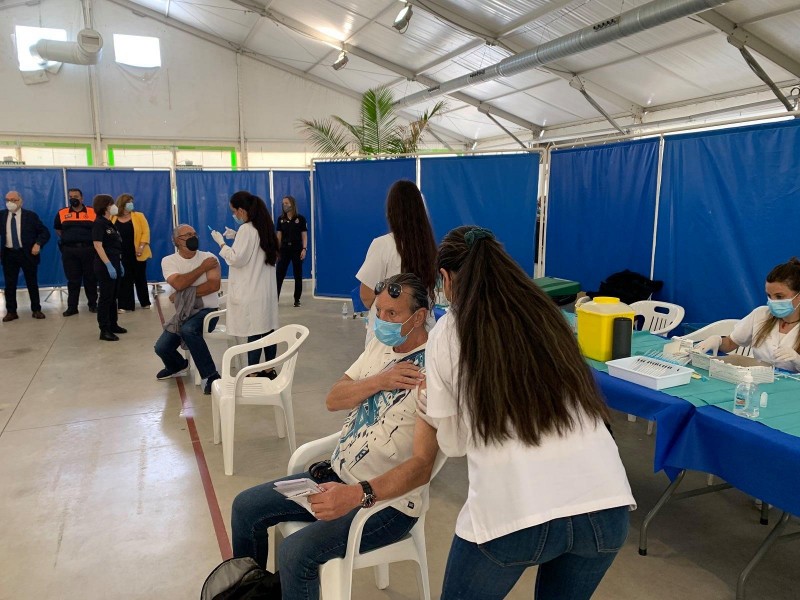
14,235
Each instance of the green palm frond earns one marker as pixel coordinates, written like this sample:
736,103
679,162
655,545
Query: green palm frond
377,120
327,137
377,132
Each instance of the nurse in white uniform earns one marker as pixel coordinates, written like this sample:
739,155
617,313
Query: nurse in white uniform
771,331
252,285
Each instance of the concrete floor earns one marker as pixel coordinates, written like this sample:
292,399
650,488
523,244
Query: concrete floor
101,493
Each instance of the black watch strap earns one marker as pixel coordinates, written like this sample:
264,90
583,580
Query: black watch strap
369,495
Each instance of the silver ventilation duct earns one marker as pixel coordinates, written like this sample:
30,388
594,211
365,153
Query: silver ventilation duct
628,23
87,50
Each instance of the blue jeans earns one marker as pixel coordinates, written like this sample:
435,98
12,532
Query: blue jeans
301,554
192,333
254,356
573,553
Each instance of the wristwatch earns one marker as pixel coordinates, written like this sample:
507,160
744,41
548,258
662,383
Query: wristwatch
369,496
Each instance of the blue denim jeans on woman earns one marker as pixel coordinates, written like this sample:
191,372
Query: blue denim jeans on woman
573,554
301,554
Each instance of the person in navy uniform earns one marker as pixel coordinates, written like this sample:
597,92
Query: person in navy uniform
293,241
22,236
73,225
107,265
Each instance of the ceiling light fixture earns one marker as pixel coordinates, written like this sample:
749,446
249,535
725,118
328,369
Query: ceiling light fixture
340,62
402,18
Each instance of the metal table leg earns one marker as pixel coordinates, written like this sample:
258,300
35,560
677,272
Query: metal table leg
774,536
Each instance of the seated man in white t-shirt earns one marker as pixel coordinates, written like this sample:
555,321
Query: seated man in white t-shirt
190,267
380,392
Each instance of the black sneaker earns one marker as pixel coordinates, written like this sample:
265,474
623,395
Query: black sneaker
167,374
69,312
296,303
92,309
118,329
211,379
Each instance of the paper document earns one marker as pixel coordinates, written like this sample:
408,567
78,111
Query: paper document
296,490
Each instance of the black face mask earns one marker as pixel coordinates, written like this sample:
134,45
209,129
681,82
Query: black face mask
74,202
192,243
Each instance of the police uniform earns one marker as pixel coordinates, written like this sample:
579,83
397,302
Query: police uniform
291,246
104,231
77,254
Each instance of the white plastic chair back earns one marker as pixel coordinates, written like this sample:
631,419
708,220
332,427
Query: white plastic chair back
659,317
232,389
722,328
336,575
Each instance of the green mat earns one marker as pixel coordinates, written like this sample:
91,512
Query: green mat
783,408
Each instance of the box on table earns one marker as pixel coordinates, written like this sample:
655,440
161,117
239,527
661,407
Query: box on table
733,368
649,372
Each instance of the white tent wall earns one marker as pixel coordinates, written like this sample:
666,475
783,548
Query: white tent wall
58,107
192,97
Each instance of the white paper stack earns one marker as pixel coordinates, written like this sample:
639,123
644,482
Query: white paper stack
296,490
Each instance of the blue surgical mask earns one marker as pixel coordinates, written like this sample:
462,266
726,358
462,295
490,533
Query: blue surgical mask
129,206
389,333
782,308
237,220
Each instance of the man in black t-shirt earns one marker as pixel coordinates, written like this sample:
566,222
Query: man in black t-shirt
293,240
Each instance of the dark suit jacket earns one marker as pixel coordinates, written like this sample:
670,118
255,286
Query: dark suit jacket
33,231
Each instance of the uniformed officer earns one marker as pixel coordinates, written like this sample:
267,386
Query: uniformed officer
292,241
107,265
73,226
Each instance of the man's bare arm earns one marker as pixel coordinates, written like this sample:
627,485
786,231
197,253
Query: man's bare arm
182,281
348,393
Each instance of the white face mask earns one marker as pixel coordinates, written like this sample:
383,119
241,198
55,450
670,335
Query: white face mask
113,210
12,206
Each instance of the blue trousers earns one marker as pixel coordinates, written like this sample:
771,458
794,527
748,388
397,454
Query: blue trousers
192,333
573,554
301,554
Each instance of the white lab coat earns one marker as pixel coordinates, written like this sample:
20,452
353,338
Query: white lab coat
252,286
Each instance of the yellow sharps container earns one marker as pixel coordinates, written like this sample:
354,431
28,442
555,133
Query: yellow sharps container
596,325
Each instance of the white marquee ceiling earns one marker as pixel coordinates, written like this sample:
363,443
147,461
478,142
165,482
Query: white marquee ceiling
684,63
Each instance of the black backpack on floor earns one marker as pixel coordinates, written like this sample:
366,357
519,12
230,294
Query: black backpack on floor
241,579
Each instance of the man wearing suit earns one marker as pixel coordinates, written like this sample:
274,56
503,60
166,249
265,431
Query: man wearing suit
22,236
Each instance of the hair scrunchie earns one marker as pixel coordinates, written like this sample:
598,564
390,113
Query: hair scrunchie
475,234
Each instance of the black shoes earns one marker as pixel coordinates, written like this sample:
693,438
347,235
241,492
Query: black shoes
12,316
69,312
92,309
118,329
107,336
296,303
167,374
37,314
211,379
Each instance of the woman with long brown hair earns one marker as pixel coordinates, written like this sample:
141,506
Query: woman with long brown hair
409,247
508,387
771,331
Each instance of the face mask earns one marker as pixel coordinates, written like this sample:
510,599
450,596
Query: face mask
129,206
781,308
74,202
113,210
389,333
192,243
237,220
12,206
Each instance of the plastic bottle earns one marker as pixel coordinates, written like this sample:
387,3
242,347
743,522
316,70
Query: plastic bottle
344,310
746,398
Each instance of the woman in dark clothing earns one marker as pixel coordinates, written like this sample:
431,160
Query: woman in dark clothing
135,232
293,241
107,265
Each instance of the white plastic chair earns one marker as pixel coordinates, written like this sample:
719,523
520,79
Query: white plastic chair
582,300
218,333
336,575
232,389
659,317
722,328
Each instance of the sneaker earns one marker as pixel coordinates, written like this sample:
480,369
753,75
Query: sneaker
211,379
147,306
167,374
296,303
121,310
